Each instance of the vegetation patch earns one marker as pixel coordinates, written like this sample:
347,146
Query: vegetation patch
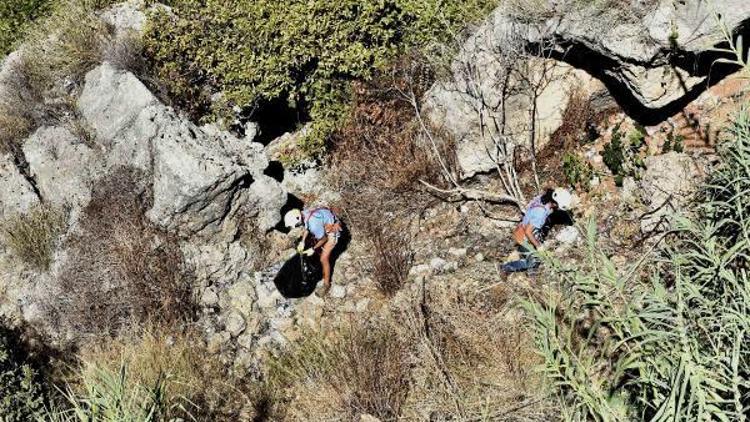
22,390
153,376
15,18
119,269
303,52
33,236
666,338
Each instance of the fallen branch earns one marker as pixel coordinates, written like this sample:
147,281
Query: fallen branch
475,195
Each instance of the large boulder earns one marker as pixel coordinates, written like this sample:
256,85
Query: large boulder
653,61
667,185
201,175
62,167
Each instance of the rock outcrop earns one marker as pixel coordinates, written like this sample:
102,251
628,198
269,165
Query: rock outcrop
653,61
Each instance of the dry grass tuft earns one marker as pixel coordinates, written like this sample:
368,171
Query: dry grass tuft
364,370
33,236
120,270
450,355
195,388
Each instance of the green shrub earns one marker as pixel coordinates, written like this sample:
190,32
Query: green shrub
625,157
665,339
15,17
578,172
33,236
304,52
22,393
674,143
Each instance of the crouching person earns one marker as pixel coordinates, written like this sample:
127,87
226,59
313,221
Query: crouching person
326,228
527,234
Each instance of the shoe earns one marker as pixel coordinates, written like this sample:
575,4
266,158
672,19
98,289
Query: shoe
323,290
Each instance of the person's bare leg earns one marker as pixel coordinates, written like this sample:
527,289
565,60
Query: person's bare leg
325,260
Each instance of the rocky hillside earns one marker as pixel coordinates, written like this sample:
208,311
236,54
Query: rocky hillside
146,167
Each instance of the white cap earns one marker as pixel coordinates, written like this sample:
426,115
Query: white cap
563,198
293,218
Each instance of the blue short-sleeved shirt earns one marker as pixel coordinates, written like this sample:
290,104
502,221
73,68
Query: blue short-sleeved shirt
316,220
536,216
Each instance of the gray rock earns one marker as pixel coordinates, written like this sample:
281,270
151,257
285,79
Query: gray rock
338,292
204,179
16,195
458,252
217,342
479,257
633,57
209,298
568,235
127,16
438,264
420,269
62,166
122,112
235,324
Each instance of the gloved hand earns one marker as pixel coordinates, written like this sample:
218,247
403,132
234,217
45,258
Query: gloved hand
308,252
301,247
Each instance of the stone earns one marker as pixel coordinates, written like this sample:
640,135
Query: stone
338,291
17,194
235,324
121,112
633,60
420,269
458,252
568,235
203,179
246,340
479,257
242,297
217,341
438,264
126,16
209,298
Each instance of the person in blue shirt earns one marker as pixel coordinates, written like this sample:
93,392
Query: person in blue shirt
527,233
325,227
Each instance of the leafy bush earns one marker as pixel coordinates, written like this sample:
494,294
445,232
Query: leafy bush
22,392
624,157
578,172
33,236
674,143
304,52
15,16
675,346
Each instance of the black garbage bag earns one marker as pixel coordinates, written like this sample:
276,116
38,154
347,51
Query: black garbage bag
299,276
